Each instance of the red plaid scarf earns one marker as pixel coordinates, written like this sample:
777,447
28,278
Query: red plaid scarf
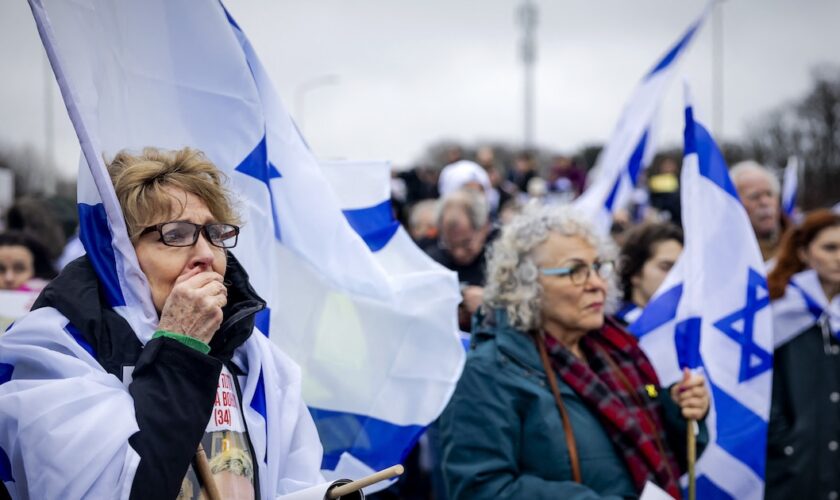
631,418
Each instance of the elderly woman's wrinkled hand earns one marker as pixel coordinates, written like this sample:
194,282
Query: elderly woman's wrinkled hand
691,395
194,307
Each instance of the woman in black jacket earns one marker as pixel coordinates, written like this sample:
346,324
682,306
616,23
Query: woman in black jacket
803,459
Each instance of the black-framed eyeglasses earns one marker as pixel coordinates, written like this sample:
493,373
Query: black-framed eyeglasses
185,234
579,273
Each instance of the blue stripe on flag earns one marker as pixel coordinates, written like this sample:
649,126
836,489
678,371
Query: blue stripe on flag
743,434
77,336
625,309
258,404
256,165
6,372
789,204
660,311
674,52
712,165
466,341
813,307
263,321
376,224
687,341
230,18
608,204
5,467
634,165
96,238
707,489
377,443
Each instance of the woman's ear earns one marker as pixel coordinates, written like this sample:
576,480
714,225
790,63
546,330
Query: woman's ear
802,255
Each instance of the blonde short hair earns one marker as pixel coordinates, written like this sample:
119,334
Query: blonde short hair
141,181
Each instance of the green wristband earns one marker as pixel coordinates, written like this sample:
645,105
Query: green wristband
184,339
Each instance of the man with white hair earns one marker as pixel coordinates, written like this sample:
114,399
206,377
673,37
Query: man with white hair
759,191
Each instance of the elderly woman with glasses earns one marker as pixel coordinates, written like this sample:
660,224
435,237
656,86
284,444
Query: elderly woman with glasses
149,418
557,401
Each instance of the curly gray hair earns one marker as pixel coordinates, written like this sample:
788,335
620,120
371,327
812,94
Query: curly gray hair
512,273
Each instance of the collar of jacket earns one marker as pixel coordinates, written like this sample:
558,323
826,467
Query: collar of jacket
493,325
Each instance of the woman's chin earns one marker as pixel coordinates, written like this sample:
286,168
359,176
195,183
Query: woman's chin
595,322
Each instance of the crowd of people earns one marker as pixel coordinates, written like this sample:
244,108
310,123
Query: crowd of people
556,400
538,363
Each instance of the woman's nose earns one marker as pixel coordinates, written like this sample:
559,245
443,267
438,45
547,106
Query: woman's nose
596,282
202,253
8,277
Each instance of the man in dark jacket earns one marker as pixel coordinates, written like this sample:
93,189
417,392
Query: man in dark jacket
464,231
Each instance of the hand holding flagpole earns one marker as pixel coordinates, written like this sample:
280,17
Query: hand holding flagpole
691,442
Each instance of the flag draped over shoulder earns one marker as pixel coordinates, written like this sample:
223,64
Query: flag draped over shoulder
803,304
632,143
370,320
712,313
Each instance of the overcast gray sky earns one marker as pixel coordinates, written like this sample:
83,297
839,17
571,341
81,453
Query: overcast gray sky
411,73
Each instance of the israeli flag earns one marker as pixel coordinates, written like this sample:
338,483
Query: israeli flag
712,314
632,144
369,319
790,185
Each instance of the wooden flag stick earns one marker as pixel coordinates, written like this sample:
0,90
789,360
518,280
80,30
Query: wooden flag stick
382,475
205,475
692,457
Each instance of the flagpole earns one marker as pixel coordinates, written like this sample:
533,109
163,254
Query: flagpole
692,457
205,474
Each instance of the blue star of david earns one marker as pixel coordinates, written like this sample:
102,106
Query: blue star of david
754,359
256,165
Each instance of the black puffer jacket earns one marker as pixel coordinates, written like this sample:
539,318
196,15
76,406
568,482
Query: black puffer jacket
173,386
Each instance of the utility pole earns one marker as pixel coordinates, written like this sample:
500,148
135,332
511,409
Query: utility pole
717,71
528,16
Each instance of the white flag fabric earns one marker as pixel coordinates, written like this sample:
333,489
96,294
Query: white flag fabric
369,319
712,314
15,304
790,185
632,143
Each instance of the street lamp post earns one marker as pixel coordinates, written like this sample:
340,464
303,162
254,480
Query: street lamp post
717,70
528,16
306,87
